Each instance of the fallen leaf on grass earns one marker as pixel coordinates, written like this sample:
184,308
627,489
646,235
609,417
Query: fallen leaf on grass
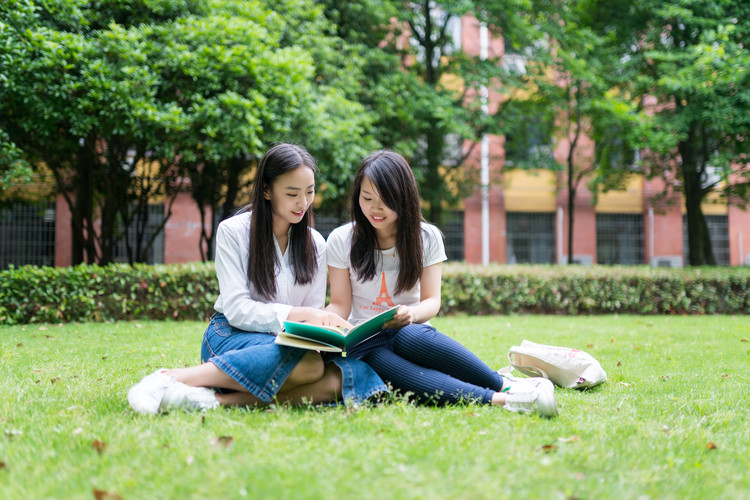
53,380
42,328
711,445
20,344
725,376
589,346
105,495
222,440
3,465
548,448
625,384
619,363
471,414
568,439
99,446
744,340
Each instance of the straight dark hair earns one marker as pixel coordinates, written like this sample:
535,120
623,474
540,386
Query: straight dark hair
263,263
394,180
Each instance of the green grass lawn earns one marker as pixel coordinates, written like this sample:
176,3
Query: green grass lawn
672,421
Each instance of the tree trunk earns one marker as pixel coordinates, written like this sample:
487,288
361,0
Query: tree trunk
572,183
699,240
435,145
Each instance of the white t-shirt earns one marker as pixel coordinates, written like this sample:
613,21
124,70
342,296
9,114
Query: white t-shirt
375,296
239,302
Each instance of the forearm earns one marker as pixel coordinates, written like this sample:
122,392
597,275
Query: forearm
339,309
425,310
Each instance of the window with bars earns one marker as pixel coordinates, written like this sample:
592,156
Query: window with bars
718,231
156,252
530,238
27,234
619,239
325,223
453,230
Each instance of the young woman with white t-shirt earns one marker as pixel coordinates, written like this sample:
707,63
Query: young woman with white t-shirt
388,255
271,267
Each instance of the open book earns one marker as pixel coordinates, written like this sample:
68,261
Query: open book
331,338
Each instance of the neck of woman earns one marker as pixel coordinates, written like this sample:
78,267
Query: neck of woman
281,233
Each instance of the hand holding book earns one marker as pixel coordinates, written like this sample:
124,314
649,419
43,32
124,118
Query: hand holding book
404,316
332,338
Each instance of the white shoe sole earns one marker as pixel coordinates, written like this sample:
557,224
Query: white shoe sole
546,404
143,400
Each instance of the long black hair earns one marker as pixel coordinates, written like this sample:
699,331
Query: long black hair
394,180
263,263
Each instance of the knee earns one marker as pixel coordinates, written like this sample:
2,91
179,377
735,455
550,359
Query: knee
310,369
413,336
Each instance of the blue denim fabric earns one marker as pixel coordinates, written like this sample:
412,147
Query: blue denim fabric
252,359
359,382
262,366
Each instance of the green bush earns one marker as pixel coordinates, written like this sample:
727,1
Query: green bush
499,289
106,293
187,291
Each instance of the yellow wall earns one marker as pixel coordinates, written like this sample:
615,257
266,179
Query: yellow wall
530,190
625,201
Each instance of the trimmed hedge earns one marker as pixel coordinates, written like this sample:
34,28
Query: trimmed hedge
31,294
187,291
595,290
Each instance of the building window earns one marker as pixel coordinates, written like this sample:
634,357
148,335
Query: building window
325,223
453,230
530,238
27,234
718,233
619,239
155,254
528,136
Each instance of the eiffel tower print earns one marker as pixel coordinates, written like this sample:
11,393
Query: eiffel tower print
383,299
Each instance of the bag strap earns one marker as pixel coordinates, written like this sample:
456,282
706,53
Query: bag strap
525,369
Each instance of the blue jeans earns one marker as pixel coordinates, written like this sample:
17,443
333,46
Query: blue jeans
261,366
436,369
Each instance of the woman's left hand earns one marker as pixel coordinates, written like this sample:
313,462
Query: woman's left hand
404,316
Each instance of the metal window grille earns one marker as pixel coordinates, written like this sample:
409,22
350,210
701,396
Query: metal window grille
325,223
530,238
27,234
453,230
156,252
718,233
619,239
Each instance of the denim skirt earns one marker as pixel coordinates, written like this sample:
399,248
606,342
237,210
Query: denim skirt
261,366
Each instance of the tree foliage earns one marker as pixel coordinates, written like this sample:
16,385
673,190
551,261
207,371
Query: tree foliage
692,58
125,101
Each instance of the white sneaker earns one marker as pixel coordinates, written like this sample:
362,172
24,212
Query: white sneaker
145,397
530,395
184,397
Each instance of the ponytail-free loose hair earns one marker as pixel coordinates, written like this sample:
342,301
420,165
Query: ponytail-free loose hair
392,177
263,263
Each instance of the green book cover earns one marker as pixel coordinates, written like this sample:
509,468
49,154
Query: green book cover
330,338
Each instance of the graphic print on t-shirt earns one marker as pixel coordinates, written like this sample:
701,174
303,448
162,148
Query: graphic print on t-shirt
383,299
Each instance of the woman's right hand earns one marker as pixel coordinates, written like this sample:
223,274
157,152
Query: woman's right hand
317,317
